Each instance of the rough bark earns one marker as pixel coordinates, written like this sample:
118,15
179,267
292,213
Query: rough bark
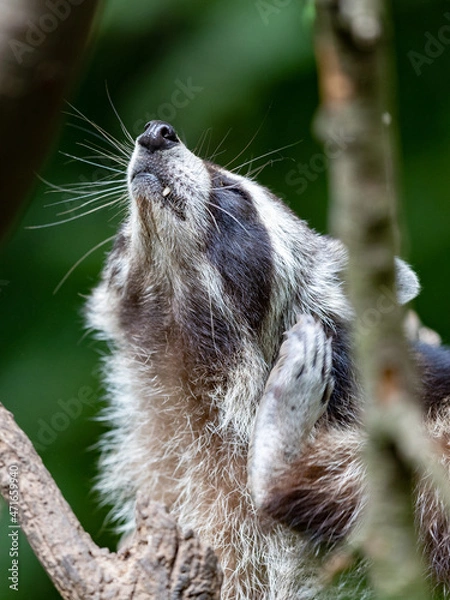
355,75
41,43
158,563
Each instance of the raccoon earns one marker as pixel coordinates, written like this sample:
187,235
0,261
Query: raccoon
207,273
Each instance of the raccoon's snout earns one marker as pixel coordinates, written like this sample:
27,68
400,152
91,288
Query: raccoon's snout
158,135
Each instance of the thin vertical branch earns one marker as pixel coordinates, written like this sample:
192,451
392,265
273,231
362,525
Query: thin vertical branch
353,46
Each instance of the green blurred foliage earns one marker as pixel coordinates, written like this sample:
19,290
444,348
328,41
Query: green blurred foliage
250,73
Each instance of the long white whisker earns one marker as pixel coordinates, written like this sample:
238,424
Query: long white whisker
85,194
201,142
101,133
221,143
108,137
119,118
79,261
107,180
254,172
123,207
105,153
252,139
109,154
244,164
89,212
111,192
93,164
106,161
123,148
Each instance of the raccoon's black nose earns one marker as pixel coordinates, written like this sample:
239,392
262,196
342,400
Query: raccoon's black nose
158,135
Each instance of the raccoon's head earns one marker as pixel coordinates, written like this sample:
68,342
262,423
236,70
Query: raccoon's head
208,220
191,202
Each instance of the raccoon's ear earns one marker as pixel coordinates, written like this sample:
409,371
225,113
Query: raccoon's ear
408,286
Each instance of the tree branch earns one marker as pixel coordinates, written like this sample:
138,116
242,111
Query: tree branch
158,563
353,50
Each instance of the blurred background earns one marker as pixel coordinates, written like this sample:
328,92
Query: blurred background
237,78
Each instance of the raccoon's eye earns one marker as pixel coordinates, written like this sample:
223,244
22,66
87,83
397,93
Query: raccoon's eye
231,187
238,191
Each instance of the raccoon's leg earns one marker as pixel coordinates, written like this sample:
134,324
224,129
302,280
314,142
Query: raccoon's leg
308,476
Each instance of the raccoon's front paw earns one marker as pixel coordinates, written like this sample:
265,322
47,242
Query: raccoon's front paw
301,381
295,397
